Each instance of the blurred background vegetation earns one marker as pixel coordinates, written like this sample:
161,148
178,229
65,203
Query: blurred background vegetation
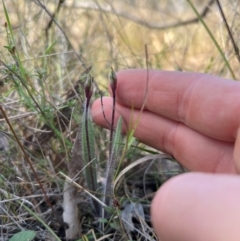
113,33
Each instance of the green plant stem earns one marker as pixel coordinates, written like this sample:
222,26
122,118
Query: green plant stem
112,126
89,147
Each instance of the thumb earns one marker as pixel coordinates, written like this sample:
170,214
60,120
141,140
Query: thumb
198,206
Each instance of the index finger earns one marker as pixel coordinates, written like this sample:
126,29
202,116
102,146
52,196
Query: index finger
205,103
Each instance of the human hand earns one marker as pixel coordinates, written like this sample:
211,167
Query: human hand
195,118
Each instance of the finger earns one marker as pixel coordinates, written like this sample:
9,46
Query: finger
198,206
194,150
236,153
206,103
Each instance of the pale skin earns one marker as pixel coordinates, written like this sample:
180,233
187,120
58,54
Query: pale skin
195,118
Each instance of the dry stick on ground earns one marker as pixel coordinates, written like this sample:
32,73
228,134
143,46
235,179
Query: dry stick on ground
235,47
70,214
138,20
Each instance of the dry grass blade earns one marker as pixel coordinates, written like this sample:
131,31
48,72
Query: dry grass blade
135,163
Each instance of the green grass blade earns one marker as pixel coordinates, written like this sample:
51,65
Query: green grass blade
15,55
9,23
50,47
88,151
111,166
